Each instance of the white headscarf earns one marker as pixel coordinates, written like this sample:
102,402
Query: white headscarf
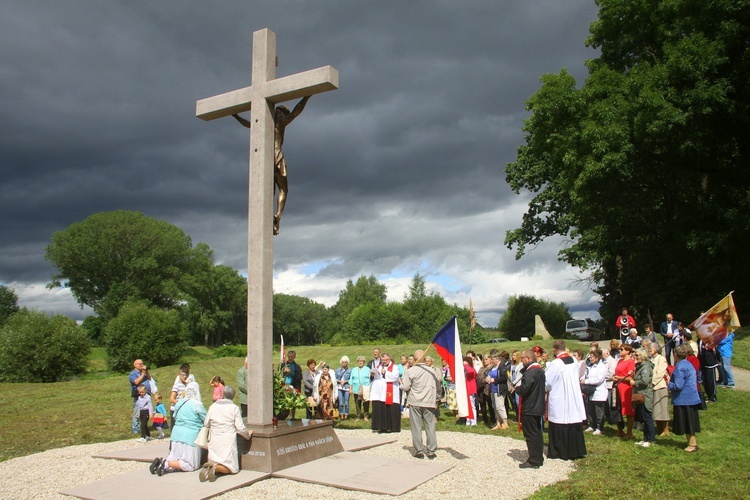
193,391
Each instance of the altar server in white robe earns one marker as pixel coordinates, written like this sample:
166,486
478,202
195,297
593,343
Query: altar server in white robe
566,410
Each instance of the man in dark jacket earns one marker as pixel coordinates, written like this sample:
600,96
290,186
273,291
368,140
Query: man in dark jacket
532,392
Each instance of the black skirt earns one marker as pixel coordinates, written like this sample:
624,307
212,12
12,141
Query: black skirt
386,418
566,441
687,420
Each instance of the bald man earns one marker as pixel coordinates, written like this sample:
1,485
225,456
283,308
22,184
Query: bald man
138,376
422,384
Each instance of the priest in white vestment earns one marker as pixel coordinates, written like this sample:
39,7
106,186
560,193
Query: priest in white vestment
385,396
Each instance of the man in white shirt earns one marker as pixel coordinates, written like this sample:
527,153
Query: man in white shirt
671,336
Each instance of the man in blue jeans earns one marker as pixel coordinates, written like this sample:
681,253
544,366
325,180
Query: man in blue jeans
725,349
138,376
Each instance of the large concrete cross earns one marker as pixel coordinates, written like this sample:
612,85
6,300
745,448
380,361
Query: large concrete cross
266,91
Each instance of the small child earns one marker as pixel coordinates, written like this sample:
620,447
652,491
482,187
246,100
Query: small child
160,417
218,384
145,411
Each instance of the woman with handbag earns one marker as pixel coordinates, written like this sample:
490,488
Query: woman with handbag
660,410
224,422
643,395
360,384
189,414
623,375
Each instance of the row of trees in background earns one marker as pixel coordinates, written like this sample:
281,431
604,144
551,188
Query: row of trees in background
363,315
154,293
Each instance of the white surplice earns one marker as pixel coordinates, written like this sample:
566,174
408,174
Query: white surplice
565,404
379,385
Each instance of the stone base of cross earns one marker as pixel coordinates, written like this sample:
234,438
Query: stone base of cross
260,99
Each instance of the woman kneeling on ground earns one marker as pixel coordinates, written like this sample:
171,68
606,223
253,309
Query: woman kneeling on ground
184,455
225,421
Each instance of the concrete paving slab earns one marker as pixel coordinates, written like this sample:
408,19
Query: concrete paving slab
146,453
358,444
183,485
153,449
362,472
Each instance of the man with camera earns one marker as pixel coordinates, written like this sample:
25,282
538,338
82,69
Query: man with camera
138,376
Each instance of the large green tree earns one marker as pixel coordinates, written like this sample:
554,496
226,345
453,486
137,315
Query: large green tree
425,311
365,289
8,303
215,300
112,257
644,169
298,319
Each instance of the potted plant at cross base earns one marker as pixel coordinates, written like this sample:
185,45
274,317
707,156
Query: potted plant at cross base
286,399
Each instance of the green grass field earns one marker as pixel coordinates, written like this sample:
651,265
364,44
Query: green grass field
97,408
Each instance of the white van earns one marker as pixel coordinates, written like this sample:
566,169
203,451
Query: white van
582,329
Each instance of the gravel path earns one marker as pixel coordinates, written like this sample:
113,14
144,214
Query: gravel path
741,379
478,461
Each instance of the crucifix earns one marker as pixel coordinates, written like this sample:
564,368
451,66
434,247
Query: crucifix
260,99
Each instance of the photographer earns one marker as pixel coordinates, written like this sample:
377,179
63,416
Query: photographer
138,376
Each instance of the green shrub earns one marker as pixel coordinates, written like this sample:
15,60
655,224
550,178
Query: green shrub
35,347
231,351
156,336
94,328
537,338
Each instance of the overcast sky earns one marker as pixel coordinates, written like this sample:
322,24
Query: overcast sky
397,172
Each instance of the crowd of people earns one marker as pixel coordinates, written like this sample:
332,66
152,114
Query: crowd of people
629,383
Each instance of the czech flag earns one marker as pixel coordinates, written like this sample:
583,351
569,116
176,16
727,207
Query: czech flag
448,346
282,352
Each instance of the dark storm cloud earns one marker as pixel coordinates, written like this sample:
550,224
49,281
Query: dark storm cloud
400,166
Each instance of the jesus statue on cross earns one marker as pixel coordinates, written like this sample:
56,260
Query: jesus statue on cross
282,118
